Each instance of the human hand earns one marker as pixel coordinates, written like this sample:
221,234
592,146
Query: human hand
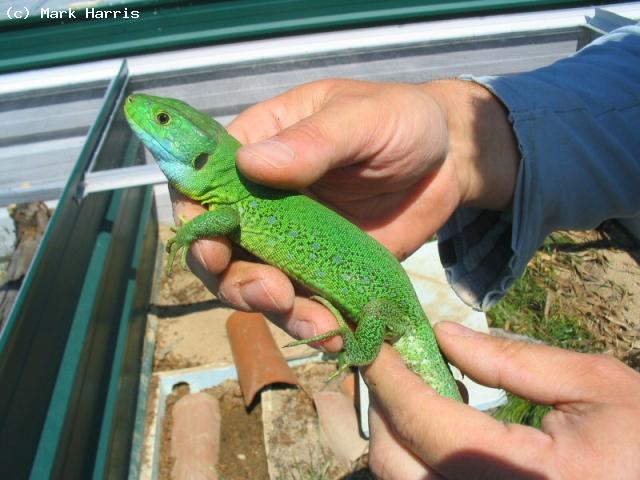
592,432
396,159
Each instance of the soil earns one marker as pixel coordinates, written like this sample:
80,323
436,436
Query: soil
295,443
242,455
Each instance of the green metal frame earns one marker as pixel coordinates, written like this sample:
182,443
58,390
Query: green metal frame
70,352
164,25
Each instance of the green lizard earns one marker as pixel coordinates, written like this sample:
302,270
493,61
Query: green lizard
348,271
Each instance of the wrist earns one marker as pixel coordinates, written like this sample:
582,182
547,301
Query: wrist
481,143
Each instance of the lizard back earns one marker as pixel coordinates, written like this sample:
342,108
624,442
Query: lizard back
324,252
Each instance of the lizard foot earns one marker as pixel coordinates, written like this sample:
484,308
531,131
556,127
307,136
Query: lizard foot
317,338
342,330
174,245
343,364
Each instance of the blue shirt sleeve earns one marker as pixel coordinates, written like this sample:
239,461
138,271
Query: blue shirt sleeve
577,123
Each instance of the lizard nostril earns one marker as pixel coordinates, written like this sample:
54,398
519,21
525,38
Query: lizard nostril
130,99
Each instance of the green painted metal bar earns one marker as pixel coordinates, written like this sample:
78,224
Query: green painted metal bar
71,364
111,347
163,25
78,340
116,370
146,373
107,428
125,412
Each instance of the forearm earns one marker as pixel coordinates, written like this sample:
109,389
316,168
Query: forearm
576,128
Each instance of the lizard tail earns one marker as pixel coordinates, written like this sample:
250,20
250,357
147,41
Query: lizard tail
419,349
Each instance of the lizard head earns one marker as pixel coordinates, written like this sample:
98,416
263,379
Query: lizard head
182,140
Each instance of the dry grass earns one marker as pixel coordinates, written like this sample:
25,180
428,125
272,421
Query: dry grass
581,291
598,280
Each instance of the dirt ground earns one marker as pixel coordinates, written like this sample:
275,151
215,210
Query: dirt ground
243,454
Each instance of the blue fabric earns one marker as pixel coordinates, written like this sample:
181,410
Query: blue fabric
577,123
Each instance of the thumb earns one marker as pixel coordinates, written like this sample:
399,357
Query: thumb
301,154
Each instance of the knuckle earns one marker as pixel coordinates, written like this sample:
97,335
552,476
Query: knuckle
601,377
316,93
276,109
411,427
604,363
311,131
505,356
330,87
597,367
603,366
326,84
508,349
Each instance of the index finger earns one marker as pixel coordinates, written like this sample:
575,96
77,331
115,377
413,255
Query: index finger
450,437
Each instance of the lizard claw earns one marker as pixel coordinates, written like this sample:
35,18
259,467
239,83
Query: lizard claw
343,365
183,259
173,247
317,338
169,266
180,241
183,219
169,246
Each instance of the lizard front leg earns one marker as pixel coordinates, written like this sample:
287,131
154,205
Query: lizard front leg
215,223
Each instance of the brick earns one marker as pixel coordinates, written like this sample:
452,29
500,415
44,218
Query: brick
195,439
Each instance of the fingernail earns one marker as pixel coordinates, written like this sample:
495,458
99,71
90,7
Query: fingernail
195,249
304,329
273,152
454,328
254,293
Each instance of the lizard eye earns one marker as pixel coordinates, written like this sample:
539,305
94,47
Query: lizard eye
163,118
200,161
